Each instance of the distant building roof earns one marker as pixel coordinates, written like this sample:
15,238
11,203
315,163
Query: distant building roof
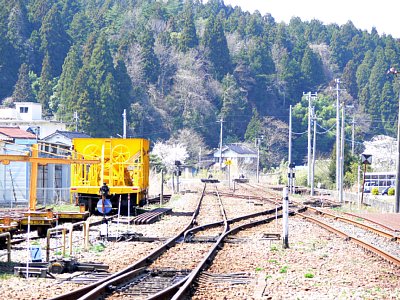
240,149
73,134
16,133
70,134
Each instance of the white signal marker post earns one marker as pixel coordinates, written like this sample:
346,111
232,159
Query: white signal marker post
285,218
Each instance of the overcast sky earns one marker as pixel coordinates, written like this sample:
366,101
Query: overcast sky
384,15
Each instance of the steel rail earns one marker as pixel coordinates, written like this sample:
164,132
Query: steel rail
372,221
184,290
391,258
385,234
86,292
207,258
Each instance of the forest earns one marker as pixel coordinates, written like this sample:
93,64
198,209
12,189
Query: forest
180,67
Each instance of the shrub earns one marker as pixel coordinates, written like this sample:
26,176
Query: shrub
391,192
375,191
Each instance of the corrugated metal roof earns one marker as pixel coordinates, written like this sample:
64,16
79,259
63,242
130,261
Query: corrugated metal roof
241,149
16,133
73,134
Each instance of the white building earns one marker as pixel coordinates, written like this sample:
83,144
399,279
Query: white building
20,127
28,117
242,158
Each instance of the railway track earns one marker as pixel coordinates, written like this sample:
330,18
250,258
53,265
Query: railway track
248,253
371,238
172,268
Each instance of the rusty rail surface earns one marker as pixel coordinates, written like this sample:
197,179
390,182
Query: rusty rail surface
391,258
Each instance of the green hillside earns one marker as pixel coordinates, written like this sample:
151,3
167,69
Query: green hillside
179,67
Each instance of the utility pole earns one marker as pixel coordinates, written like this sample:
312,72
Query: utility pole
220,143
309,97
124,124
199,166
341,173
258,142
76,118
337,133
290,174
314,119
309,140
395,72
352,135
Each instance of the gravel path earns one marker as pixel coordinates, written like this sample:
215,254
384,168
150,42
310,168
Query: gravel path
317,265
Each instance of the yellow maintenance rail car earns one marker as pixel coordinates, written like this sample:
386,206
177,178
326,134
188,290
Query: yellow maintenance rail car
124,167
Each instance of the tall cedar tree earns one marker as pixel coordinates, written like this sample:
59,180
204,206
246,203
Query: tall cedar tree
150,62
65,87
97,86
234,106
23,89
188,37
254,127
216,47
54,40
45,85
38,9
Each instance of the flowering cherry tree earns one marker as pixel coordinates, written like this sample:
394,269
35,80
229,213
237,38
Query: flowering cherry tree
169,153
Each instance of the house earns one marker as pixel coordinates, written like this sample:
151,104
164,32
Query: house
14,177
61,137
28,117
53,179
241,158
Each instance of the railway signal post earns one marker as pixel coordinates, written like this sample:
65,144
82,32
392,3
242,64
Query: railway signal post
285,218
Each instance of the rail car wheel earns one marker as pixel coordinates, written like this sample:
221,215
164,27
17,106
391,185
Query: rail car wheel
92,151
121,154
42,231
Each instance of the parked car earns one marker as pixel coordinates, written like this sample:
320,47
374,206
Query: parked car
386,190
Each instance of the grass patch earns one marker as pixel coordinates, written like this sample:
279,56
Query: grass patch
283,270
273,261
6,276
98,248
259,269
65,207
309,275
273,248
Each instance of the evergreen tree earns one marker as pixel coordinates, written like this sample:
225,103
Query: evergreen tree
45,85
349,73
389,104
150,62
254,127
18,26
216,47
376,83
234,106
54,40
312,69
364,70
23,89
65,86
255,25
80,28
38,9
188,37
8,67
68,11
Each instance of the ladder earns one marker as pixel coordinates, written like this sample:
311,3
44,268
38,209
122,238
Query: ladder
13,188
